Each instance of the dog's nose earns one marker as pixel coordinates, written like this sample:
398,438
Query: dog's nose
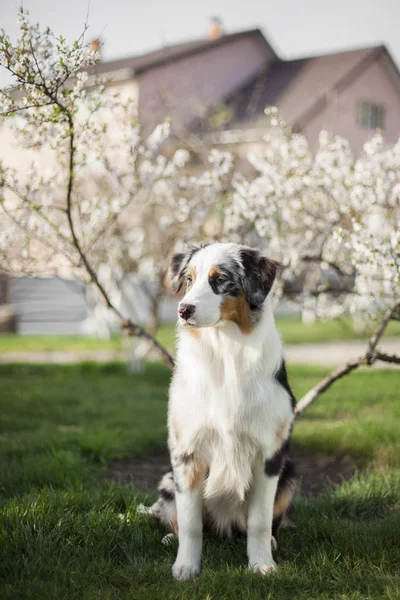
185,311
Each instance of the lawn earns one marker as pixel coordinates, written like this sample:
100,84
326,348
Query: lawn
66,532
292,329
13,342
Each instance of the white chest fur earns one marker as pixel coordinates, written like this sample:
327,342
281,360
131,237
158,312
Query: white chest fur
225,403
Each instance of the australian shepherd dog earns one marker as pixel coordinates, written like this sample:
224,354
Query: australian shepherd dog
231,409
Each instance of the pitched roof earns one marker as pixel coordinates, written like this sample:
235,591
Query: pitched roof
324,76
300,87
264,89
168,54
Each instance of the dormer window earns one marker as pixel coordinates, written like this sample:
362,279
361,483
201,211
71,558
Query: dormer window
370,116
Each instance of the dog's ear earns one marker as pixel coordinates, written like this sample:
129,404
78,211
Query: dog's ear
258,275
176,271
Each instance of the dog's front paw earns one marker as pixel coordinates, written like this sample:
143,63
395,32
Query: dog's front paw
264,568
182,572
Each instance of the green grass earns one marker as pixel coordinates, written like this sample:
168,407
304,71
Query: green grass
65,532
292,329
13,342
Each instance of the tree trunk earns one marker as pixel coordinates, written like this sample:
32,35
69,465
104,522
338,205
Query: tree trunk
153,321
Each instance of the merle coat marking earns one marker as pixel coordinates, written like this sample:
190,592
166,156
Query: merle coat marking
231,409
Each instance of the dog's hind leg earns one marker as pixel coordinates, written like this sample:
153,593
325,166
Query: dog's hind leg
165,508
287,486
146,510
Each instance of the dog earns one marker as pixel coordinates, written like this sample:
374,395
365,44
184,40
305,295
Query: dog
231,409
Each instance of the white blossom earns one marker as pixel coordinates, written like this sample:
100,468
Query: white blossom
330,217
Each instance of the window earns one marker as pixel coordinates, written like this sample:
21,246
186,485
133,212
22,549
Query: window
370,115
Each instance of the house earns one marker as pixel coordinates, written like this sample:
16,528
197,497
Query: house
217,88
223,83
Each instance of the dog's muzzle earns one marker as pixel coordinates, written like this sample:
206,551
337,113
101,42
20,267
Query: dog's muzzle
186,311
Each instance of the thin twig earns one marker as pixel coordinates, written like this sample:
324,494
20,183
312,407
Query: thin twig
12,111
370,356
320,259
389,358
133,328
323,385
379,332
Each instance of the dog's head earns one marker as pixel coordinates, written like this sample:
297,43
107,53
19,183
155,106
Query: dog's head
222,282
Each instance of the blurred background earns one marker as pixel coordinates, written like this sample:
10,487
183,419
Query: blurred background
212,68
150,132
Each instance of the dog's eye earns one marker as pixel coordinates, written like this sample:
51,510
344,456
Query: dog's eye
189,279
220,279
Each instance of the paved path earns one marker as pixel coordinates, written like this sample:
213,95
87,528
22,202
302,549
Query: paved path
58,357
337,353
328,353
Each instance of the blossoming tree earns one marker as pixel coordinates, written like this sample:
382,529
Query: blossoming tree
333,220
94,199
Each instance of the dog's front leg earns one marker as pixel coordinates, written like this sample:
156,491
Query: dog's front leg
189,484
259,524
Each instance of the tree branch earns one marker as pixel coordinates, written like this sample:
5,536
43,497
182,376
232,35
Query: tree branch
12,111
323,385
319,259
370,356
52,95
389,358
133,328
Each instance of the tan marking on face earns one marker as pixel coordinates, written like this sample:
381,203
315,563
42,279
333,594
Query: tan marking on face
237,310
214,271
283,499
192,273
